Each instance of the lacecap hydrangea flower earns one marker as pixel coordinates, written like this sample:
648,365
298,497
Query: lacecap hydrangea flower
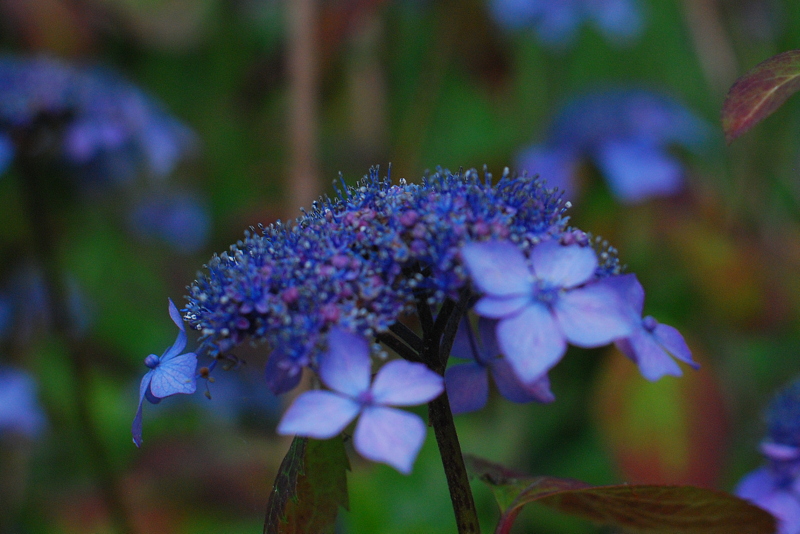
626,134
322,291
775,486
556,22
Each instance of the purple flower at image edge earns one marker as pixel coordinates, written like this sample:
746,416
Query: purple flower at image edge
170,374
651,345
20,412
467,384
544,303
382,434
770,490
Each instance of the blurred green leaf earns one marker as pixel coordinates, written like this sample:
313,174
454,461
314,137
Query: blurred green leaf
310,486
635,508
760,92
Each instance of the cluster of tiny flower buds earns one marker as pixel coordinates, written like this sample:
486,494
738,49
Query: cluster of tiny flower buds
319,290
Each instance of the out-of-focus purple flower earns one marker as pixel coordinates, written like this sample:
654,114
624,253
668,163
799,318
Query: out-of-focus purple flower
175,218
544,303
382,434
110,130
775,487
652,345
468,384
170,374
20,412
556,22
626,133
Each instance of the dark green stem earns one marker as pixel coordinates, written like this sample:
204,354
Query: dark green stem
42,206
436,350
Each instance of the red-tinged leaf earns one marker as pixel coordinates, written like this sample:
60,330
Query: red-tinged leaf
758,93
672,431
649,509
310,487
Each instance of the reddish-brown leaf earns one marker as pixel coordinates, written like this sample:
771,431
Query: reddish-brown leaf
647,509
761,91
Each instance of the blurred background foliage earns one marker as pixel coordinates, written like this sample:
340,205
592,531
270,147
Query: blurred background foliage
282,96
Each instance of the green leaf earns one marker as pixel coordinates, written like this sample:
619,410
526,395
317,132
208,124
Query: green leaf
758,93
310,487
636,508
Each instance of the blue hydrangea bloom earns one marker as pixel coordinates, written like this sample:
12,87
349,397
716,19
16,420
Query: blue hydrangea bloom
626,133
468,383
20,412
383,434
170,374
775,487
652,345
110,129
351,262
556,22
317,290
544,302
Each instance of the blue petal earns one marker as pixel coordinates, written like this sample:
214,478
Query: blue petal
346,365
467,387
593,315
280,373
177,375
180,341
531,341
563,266
498,268
136,429
672,341
463,343
318,414
559,23
631,291
489,349
511,387
402,383
390,436
499,307
637,171
652,360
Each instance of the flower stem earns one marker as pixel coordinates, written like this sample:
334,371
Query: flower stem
436,349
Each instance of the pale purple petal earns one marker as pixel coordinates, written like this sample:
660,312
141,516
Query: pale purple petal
175,315
497,308
318,414
346,366
467,387
281,376
592,316
487,330
563,266
511,387
462,346
180,341
389,436
637,171
136,429
402,383
652,360
672,341
531,341
618,19
779,452
631,291
498,268
177,375
756,484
